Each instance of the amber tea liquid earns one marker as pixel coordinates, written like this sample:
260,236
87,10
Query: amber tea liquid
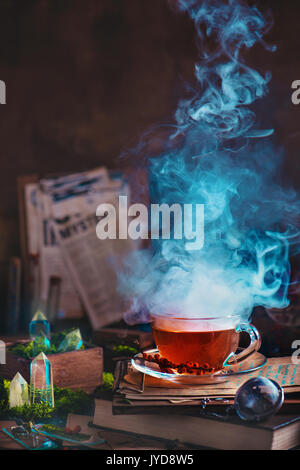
181,341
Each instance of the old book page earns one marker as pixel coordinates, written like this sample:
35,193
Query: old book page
93,263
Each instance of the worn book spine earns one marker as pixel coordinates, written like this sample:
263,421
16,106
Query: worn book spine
14,292
34,282
53,299
124,406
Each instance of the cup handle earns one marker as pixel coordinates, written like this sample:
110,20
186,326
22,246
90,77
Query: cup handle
255,343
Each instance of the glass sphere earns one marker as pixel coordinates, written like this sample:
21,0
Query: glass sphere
258,398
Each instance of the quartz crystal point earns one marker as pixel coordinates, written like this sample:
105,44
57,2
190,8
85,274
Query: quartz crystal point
39,325
41,382
71,341
18,391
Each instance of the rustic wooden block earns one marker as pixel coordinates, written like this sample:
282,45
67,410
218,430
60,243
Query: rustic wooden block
74,369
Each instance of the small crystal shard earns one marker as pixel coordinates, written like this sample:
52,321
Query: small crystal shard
71,342
41,382
39,325
18,391
2,352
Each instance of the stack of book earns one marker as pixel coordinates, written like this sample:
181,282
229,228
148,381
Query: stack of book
197,415
277,433
152,391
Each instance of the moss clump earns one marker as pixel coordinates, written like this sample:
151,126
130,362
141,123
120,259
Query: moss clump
124,350
4,393
30,350
66,401
34,413
72,401
108,381
105,390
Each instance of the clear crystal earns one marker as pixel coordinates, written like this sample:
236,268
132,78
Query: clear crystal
39,325
18,391
2,352
71,342
40,344
41,382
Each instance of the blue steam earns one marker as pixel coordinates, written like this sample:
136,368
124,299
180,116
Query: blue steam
216,156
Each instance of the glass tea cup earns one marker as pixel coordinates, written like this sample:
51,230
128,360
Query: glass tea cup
209,342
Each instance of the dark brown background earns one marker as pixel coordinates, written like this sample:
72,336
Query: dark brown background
85,77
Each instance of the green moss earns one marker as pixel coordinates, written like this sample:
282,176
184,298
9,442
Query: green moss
125,350
105,390
4,387
72,401
66,401
35,412
4,394
29,350
108,382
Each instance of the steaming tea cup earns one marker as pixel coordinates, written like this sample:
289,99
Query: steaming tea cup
206,341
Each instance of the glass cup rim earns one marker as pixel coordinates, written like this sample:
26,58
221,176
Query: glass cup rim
171,317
